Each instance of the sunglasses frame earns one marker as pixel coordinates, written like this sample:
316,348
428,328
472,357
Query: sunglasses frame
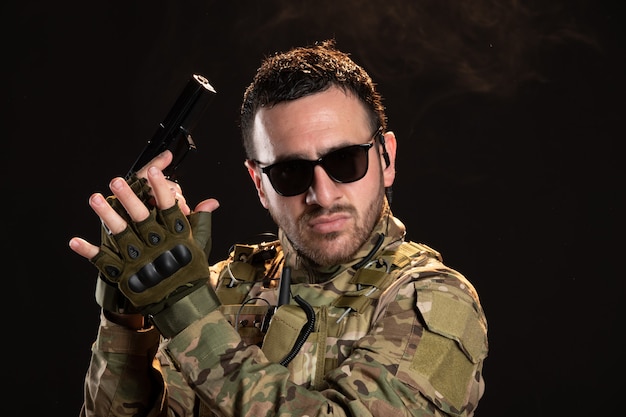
313,163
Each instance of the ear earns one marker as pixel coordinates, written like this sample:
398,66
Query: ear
257,179
390,145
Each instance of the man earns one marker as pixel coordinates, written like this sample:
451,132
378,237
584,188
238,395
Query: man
338,316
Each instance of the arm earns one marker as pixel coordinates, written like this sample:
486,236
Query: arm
395,369
239,380
173,135
121,379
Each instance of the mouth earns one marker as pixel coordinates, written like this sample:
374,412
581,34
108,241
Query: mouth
329,223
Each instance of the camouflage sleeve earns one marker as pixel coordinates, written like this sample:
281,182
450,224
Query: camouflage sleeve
121,379
426,350
422,358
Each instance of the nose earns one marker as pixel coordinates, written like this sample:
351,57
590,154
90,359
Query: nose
323,191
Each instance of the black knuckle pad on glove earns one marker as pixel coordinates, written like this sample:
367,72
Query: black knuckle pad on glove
151,259
164,266
154,262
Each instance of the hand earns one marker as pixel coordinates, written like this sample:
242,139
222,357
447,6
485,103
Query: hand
165,194
169,192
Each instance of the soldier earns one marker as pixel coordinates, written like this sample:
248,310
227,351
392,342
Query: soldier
339,315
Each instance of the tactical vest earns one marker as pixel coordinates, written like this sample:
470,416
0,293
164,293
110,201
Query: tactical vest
313,333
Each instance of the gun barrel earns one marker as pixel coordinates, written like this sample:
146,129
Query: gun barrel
174,133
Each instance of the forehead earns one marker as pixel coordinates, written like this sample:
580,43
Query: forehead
310,126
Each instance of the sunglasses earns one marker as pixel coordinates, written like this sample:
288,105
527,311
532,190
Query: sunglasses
344,165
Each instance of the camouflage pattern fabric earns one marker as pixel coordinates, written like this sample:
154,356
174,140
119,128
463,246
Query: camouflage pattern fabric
417,349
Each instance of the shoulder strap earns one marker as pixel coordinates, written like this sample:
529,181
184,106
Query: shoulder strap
375,277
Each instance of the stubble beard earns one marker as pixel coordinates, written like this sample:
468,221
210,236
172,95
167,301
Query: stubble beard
333,248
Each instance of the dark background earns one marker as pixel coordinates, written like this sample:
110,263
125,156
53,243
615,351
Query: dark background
507,114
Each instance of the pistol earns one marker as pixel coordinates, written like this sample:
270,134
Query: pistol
174,133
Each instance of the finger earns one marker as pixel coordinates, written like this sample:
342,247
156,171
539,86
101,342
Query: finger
83,248
110,218
177,192
161,188
209,204
161,161
135,208
182,203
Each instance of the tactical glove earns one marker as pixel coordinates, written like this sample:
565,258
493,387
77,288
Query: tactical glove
159,261
108,295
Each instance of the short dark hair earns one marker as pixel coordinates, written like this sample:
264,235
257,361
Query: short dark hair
302,71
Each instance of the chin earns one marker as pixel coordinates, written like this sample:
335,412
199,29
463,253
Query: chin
336,250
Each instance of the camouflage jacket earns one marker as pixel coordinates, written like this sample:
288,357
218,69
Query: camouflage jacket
401,335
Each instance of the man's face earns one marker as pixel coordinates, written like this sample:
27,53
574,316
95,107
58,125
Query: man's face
329,221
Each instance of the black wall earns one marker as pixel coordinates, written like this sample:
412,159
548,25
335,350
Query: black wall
507,118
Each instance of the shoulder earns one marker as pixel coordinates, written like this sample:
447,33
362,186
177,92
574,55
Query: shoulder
445,301
449,306
424,270
450,344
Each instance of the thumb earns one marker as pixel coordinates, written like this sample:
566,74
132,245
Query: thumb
210,204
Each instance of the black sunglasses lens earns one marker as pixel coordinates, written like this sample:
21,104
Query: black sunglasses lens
347,164
291,178
344,165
